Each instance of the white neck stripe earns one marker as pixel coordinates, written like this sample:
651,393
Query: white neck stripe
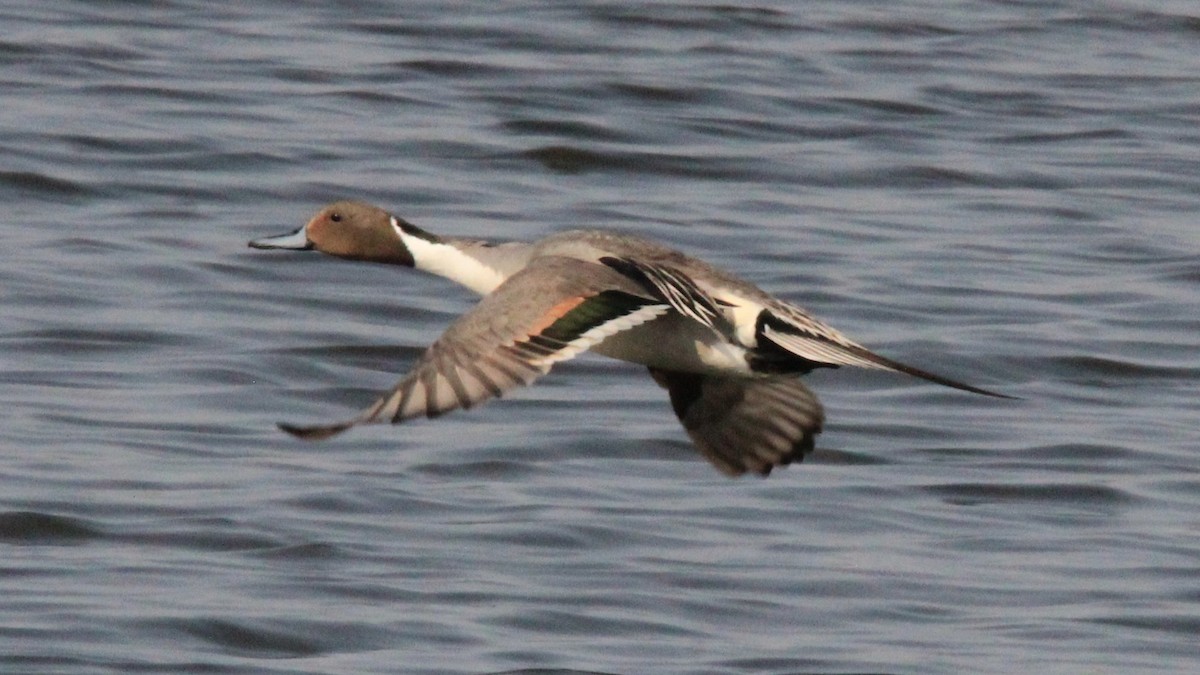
446,260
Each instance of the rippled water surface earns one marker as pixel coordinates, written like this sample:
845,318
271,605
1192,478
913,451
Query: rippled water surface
1006,192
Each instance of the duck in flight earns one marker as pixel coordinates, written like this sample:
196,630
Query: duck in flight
728,354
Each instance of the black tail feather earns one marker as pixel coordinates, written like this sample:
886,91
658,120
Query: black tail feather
926,375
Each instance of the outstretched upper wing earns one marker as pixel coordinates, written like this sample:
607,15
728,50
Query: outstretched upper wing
546,313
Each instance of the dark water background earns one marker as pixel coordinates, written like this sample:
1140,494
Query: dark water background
1008,192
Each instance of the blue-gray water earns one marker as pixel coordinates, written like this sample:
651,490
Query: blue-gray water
1006,192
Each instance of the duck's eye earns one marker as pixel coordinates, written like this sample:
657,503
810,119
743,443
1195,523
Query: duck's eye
335,217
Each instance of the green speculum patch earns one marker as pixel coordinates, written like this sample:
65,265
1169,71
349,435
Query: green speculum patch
595,311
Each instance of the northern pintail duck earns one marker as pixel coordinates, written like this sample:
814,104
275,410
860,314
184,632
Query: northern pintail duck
728,353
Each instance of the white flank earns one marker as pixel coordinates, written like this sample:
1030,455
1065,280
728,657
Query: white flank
722,356
743,315
447,261
598,334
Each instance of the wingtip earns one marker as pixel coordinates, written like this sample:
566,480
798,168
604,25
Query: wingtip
314,433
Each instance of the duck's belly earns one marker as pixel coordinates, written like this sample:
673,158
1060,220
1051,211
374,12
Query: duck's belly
673,342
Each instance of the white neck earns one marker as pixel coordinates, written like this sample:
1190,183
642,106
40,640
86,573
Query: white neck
446,260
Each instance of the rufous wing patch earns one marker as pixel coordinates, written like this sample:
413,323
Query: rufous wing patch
555,313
